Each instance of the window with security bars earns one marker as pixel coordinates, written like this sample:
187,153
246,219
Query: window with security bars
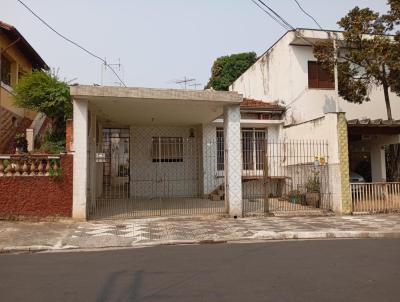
220,149
319,77
167,149
252,148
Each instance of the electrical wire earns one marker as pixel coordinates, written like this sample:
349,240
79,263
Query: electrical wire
272,16
278,18
307,14
72,42
276,14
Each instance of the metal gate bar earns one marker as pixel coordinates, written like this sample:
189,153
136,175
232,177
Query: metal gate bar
288,176
170,176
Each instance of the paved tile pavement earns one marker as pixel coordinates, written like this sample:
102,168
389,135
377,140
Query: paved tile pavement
145,231
37,236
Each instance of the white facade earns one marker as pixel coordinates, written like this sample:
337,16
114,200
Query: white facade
185,175
150,114
281,74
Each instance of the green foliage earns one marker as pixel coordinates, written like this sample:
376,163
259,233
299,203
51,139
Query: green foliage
54,143
227,69
44,92
52,147
367,57
20,142
313,183
55,174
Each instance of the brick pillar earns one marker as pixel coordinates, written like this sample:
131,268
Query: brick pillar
343,146
68,135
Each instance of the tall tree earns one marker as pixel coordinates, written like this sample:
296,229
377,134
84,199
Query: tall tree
227,69
367,56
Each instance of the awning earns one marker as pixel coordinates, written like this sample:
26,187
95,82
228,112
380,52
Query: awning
378,126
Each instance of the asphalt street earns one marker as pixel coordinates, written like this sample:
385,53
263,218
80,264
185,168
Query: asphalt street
335,270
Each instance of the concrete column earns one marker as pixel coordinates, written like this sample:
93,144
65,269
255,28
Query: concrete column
233,161
30,139
343,148
80,148
378,163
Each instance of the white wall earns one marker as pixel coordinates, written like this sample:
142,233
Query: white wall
323,128
375,109
174,179
281,74
265,79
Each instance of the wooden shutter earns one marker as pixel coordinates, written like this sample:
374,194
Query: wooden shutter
312,74
325,79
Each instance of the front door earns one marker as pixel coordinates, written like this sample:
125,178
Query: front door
116,164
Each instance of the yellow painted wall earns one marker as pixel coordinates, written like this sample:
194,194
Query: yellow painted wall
18,62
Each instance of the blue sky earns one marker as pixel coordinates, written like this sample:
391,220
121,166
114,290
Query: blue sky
159,41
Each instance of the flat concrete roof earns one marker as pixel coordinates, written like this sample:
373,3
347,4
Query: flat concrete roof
155,107
95,92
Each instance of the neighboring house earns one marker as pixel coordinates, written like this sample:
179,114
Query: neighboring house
289,73
17,58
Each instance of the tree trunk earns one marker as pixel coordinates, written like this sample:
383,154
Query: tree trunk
393,162
386,92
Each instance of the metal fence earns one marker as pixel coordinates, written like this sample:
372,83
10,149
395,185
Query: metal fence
176,175
162,176
285,176
375,197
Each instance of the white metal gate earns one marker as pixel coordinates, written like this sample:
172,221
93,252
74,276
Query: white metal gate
162,177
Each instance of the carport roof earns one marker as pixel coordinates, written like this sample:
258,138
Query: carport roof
95,92
155,107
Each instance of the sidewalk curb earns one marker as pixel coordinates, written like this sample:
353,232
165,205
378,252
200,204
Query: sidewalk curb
281,236
263,237
34,249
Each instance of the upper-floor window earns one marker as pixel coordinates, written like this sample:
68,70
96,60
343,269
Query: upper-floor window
319,77
5,70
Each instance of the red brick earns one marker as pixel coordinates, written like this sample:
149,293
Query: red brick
38,196
68,135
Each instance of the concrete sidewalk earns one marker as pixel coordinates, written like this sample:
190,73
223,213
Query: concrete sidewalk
28,236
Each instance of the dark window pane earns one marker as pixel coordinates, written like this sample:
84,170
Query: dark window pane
220,149
5,70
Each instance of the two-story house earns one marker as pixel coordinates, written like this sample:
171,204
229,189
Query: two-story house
288,72
17,58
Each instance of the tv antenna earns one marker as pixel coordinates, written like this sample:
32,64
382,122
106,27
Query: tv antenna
105,66
185,81
195,85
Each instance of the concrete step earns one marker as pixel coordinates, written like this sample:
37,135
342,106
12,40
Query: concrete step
216,197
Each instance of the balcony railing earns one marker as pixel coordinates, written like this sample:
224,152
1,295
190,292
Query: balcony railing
29,165
376,197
